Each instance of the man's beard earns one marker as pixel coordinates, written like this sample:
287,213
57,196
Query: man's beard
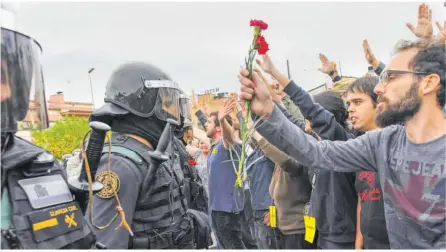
210,133
401,111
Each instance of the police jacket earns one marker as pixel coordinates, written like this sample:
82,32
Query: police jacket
157,214
38,211
196,195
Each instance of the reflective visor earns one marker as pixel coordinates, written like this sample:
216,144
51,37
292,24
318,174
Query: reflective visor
23,103
185,110
168,99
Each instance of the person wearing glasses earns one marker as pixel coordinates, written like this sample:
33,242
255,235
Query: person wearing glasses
339,229
409,159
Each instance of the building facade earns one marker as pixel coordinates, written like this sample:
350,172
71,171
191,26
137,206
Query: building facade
57,109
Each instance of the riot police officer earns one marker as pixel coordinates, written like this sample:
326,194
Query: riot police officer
38,211
140,168
196,194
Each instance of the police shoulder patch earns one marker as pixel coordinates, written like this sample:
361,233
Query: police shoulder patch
111,183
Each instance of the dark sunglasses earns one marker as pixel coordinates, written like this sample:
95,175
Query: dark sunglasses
384,78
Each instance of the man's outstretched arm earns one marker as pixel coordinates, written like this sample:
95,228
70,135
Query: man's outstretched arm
343,156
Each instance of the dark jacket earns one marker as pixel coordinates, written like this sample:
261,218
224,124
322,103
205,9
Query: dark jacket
334,199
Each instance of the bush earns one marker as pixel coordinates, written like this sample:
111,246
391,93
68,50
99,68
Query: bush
63,137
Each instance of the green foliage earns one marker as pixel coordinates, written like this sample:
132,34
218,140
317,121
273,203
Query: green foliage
63,137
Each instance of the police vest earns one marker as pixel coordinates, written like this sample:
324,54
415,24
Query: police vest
160,220
196,195
42,212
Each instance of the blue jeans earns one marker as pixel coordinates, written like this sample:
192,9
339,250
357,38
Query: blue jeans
265,236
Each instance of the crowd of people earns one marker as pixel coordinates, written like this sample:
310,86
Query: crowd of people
358,166
307,183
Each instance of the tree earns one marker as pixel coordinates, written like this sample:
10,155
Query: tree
63,137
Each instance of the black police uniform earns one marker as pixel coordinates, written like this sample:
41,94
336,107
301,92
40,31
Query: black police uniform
151,192
38,211
196,195
42,211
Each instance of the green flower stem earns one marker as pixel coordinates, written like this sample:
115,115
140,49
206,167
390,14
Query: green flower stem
245,136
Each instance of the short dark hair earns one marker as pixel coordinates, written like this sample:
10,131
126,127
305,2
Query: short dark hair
217,123
365,85
430,59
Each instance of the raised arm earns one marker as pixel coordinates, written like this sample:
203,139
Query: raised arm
377,65
322,121
350,156
226,128
284,161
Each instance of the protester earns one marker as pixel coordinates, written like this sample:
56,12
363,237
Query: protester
258,171
372,234
200,156
247,223
411,90
225,201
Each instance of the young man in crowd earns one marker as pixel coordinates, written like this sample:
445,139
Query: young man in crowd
225,201
410,159
371,231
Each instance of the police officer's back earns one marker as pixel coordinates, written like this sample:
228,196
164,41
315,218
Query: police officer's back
38,211
140,98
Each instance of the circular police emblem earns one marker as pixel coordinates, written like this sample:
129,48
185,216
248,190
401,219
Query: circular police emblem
111,183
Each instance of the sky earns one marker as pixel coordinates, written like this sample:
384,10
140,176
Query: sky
202,45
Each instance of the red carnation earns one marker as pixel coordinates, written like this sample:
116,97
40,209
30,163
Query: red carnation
192,162
262,45
258,23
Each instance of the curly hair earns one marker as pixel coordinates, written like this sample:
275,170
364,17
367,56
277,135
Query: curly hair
430,58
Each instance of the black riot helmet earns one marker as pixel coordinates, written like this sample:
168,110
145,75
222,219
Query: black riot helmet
22,87
143,90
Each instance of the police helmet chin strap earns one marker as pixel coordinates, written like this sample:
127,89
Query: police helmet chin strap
93,155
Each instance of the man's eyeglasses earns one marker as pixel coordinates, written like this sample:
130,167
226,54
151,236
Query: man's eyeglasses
385,76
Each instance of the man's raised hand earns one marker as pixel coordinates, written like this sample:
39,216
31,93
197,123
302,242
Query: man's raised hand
257,92
265,62
327,66
369,56
424,27
226,109
441,37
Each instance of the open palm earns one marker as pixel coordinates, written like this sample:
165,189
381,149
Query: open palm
327,66
265,62
424,28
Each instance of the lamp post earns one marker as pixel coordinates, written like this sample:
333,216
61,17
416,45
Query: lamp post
91,86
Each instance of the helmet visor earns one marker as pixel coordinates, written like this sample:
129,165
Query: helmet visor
185,110
23,104
167,104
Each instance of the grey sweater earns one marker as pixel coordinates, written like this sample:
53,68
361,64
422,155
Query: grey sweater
413,176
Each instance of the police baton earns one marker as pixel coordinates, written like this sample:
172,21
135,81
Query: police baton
94,153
